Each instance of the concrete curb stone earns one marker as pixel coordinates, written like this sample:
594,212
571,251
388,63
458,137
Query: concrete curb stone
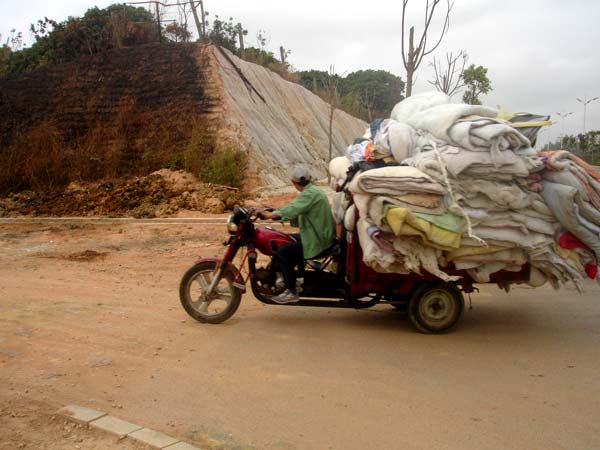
80,414
153,438
122,428
115,426
181,446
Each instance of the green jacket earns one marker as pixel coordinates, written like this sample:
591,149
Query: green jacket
312,213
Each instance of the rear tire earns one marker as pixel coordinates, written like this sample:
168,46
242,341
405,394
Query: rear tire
435,307
220,305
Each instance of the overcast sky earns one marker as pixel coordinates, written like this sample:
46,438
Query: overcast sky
541,54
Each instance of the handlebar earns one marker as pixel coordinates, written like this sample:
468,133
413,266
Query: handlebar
252,214
257,212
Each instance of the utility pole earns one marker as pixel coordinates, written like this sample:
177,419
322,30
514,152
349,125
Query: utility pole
199,25
563,116
585,102
158,22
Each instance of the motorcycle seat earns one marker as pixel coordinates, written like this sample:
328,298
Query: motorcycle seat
333,250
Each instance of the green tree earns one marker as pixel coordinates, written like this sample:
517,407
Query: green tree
365,93
377,90
98,30
477,83
13,43
262,57
224,33
314,80
176,32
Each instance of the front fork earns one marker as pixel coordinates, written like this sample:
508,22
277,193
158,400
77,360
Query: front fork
225,265
214,282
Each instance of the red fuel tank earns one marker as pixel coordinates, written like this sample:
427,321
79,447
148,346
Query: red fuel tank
267,240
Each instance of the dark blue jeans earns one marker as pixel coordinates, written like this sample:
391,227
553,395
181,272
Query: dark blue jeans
287,258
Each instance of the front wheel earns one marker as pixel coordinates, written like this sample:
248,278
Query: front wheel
435,307
217,307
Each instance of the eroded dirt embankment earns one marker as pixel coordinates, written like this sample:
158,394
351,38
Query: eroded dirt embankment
132,111
160,194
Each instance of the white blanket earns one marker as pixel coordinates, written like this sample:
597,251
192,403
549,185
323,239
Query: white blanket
395,180
439,119
485,135
459,161
417,103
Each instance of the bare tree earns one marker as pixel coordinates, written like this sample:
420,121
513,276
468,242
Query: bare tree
369,103
204,14
184,14
14,41
263,39
412,59
333,99
449,78
241,32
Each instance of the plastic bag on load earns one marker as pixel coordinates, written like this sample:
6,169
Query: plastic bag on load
397,138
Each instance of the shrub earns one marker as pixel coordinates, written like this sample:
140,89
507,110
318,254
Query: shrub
35,160
199,148
226,167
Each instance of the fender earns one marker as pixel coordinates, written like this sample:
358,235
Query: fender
238,279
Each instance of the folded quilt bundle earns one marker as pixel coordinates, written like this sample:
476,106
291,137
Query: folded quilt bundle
470,194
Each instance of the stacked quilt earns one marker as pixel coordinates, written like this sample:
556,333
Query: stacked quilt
467,191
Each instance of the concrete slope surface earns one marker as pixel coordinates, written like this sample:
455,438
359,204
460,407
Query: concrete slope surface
280,123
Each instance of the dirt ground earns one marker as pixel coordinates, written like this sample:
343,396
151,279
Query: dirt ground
89,314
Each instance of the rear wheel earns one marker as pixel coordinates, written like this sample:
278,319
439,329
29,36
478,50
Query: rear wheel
435,307
217,307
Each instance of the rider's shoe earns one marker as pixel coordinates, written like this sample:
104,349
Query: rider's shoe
286,297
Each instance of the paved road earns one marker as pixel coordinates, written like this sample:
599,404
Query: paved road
519,372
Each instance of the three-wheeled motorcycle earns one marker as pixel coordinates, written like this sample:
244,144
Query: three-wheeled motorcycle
211,290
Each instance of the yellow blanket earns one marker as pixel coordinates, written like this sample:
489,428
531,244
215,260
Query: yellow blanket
403,222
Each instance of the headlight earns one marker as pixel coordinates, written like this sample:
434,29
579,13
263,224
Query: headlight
231,225
232,228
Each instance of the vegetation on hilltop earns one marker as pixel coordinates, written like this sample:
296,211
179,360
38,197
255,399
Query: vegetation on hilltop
365,93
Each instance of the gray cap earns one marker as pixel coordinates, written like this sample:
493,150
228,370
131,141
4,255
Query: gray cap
301,175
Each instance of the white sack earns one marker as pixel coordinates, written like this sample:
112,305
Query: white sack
338,167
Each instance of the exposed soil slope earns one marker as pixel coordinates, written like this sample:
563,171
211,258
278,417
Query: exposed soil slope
131,111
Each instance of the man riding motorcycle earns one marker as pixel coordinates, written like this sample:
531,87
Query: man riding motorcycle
310,211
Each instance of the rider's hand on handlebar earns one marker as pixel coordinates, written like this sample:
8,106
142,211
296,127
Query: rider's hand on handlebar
266,213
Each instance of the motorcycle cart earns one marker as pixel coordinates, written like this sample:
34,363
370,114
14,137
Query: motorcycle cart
211,290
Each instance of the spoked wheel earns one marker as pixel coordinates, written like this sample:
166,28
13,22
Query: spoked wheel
435,307
217,307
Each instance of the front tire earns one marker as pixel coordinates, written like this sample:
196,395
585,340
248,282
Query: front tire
435,307
220,305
